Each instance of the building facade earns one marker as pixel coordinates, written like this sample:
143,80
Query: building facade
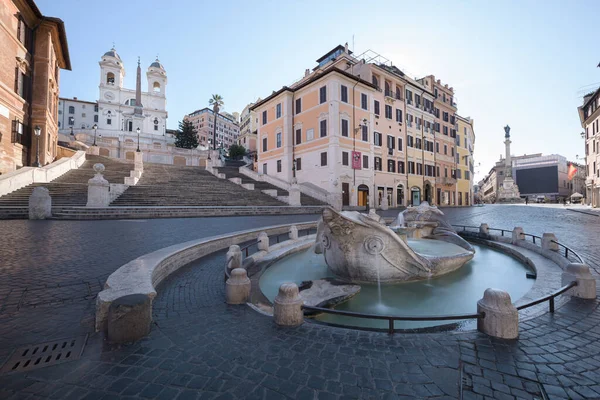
465,146
227,128
74,113
589,114
33,51
248,129
360,130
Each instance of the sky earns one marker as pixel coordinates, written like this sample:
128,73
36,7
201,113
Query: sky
522,63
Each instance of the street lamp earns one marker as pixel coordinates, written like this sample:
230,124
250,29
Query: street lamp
95,127
138,132
72,134
38,132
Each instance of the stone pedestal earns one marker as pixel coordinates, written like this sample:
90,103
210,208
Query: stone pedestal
263,242
40,203
549,242
129,318
501,316
138,161
287,306
586,284
509,192
294,195
98,189
484,229
237,287
517,234
293,232
234,257
93,151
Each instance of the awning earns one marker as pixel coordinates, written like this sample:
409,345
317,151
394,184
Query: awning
576,195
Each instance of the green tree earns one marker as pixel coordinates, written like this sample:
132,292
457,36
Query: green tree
186,136
237,151
216,101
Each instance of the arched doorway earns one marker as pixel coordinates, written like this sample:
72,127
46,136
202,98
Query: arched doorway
415,196
428,192
363,195
400,195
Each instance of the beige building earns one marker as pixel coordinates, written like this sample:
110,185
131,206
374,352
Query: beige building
358,130
227,128
589,114
465,146
248,129
33,50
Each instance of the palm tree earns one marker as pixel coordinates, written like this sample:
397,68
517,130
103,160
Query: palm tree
216,102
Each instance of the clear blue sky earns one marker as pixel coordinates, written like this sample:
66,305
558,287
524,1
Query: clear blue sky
522,63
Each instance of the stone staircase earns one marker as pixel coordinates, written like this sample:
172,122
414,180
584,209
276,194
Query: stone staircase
231,170
176,186
67,190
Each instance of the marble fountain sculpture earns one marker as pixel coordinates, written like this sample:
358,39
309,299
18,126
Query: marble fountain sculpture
419,244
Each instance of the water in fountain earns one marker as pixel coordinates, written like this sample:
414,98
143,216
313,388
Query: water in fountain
398,222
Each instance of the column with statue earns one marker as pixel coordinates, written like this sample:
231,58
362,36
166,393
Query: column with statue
509,191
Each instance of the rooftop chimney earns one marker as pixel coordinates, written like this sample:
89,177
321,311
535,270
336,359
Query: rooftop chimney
74,98
346,47
306,72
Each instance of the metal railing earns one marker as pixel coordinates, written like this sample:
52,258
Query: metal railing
567,250
550,297
392,318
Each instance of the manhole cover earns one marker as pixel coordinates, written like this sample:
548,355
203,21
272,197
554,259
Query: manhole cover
42,355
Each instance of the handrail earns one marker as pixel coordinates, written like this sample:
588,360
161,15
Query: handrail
392,318
550,297
534,237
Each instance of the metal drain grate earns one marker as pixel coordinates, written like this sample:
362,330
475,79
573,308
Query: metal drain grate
43,355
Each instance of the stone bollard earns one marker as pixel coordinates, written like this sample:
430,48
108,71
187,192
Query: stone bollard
549,242
484,229
501,316
294,195
237,287
384,203
293,232
234,257
263,242
138,161
129,318
586,284
287,306
40,203
98,189
517,234
319,236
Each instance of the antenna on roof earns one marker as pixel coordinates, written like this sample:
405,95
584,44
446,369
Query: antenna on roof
353,49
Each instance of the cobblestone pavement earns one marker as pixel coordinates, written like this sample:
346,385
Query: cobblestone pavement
200,348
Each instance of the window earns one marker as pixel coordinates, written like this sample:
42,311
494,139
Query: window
264,117
376,107
278,140
391,142
344,158
323,95
411,167
391,166
108,121
437,147
364,102
418,143
446,172
95,107
399,144
110,78
71,121
377,163
445,116
365,162
467,175
310,134
323,159
419,169
298,136
400,167
278,165
345,127
452,151
71,110
408,96
375,81
344,94
437,171
377,138
388,111
365,133
265,168
417,100
445,149
323,128
278,110
409,141
458,174
298,164
445,130
398,115
95,118
264,147
298,106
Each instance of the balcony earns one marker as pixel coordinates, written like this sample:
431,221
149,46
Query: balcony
392,95
445,181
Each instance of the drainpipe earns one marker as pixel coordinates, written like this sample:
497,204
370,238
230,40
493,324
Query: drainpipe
30,88
293,137
407,189
354,131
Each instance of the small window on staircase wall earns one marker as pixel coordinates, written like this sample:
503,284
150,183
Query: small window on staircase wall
265,168
278,165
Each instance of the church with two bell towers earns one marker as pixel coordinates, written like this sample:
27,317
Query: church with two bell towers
124,110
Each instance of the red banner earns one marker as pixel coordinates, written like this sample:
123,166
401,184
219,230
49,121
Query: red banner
356,160
572,171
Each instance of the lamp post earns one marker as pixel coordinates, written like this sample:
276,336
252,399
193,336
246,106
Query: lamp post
95,127
38,131
72,134
138,132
